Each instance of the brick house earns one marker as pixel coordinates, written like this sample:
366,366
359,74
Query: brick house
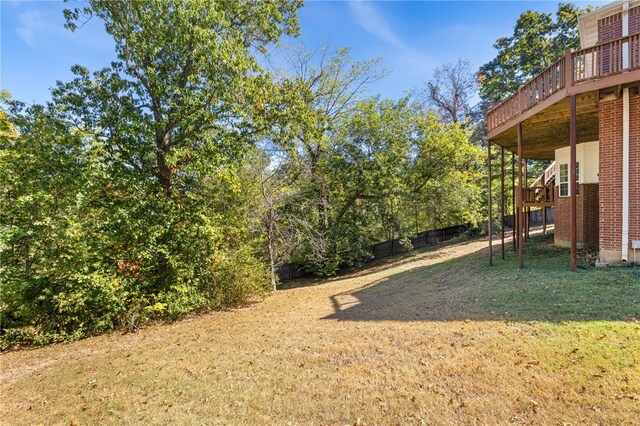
583,113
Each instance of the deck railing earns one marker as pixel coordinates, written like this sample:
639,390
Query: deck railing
538,195
593,63
549,173
546,176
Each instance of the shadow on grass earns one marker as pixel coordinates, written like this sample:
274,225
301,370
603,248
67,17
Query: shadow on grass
468,288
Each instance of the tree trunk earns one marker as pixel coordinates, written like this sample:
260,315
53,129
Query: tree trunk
163,173
320,196
271,249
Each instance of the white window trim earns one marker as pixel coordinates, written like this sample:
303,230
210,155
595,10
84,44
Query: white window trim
561,182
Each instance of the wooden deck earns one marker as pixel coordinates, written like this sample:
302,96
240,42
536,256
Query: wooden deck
542,104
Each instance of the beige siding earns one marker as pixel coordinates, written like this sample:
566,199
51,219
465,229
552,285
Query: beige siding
587,154
589,33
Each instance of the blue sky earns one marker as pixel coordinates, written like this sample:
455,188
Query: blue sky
412,38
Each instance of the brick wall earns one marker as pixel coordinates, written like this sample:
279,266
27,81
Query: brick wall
634,20
590,213
610,175
610,28
586,217
610,193
634,167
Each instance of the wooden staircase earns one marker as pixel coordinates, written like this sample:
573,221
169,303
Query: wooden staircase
542,192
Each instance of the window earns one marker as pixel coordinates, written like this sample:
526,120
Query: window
564,179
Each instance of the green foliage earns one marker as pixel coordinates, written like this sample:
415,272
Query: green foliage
392,169
124,199
87,247
178,178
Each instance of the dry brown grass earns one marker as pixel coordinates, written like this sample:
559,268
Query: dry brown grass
419,341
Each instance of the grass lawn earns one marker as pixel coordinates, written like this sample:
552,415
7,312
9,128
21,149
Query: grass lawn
437,337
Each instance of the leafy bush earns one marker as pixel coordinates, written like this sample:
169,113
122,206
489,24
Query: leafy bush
87,246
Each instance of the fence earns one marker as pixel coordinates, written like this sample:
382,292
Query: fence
536,218
290,271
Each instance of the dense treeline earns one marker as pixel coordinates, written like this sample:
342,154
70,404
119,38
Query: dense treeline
178,178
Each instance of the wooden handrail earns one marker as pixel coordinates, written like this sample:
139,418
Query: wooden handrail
546,176
576,67
539,195
539,88
549,173
606,59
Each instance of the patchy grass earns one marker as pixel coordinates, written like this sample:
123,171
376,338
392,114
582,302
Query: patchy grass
435,338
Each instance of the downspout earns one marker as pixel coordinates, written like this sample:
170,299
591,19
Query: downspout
625,140
625,175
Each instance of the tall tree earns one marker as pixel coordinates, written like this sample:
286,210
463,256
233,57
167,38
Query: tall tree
450,91
185,67
129,188
329,85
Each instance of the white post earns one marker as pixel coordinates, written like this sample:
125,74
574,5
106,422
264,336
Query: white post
625,175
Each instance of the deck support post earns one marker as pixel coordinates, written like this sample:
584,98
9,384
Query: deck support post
519,200
572,182
489,226
513,200
544,220
502,197
526,209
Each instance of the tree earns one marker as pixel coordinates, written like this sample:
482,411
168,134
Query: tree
329,87
368,164
129,187
537,42
450,91
274,192
43,169
183,72
445,173
332,87
187,98
395,170
7,129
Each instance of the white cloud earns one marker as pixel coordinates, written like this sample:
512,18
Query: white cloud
42,27
371,21
31,24
404,59
12,3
